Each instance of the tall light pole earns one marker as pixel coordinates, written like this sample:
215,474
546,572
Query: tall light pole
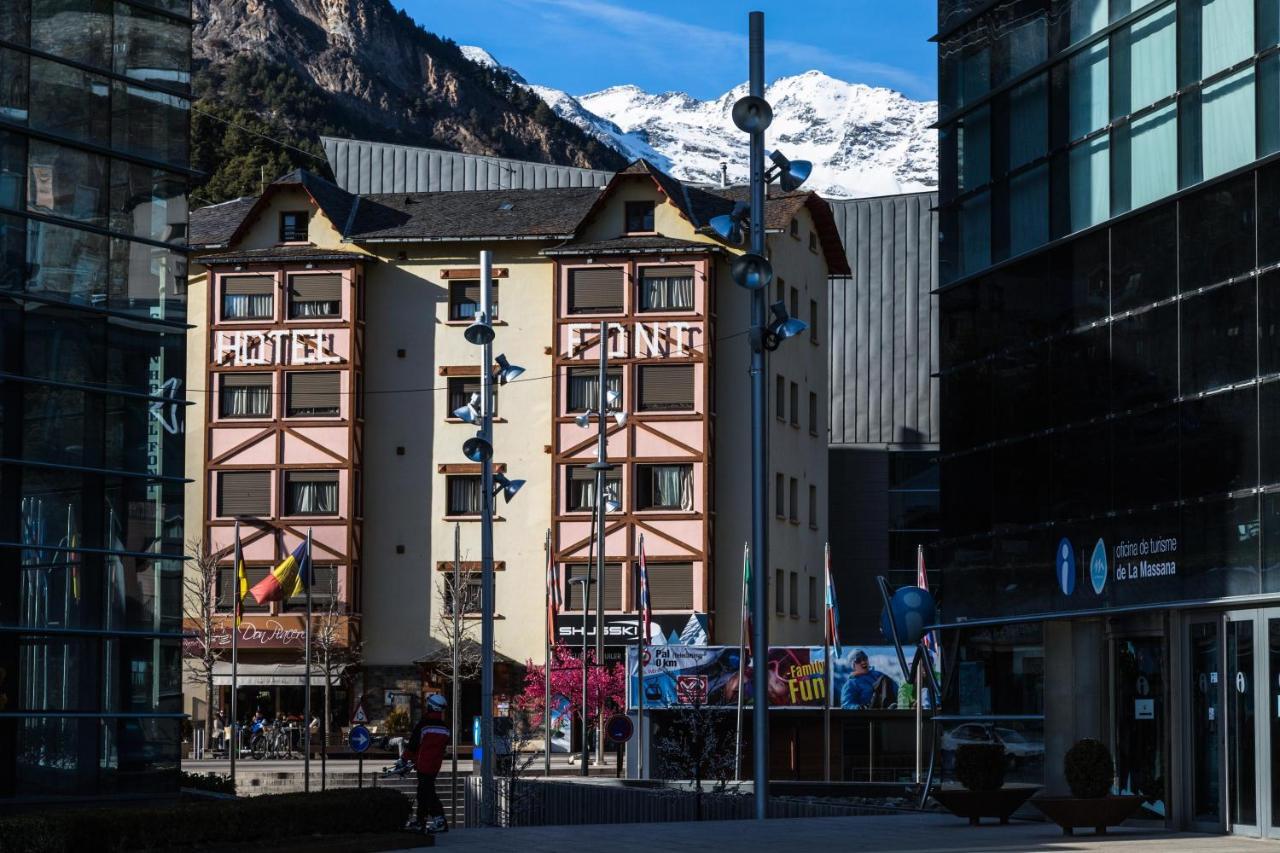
480,449
601,466
585,580
753,271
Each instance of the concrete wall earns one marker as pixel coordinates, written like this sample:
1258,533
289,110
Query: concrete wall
1075,692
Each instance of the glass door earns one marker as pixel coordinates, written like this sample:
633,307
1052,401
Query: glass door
1204,653
1241,723
1140,722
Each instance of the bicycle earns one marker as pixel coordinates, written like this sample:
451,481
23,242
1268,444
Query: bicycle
270,742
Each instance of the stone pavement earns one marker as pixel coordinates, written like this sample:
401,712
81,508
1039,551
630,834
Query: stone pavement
894,834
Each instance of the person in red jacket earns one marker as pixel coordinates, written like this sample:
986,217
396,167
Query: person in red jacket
427,745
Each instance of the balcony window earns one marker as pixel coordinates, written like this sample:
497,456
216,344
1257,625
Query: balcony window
312,296
248,297
666,289
293,226
245,395
311,493
664,487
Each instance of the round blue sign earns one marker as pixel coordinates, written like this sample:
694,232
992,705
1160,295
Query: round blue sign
359,739
619,728
1065,566
1098,567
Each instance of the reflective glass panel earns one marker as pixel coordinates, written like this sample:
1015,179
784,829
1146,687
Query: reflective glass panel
1144,259
152,48
1216,234
1148,444
1224,428
1028,122
1029,209
79,30
66,263
1087,17
14,80
147,202
975,233
1149,50
1087,106
150,124
1226,33
1227,121
69,102
974,132
147,281
1219,339
1146,158
67,182
1144,357
1090,182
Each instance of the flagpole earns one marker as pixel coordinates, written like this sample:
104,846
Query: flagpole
546,666
236,605
742,666
644,638
826,666
919,703
306,700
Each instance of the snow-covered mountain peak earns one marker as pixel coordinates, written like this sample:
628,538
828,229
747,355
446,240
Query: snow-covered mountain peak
863,140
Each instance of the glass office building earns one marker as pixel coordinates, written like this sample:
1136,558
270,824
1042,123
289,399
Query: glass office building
1110,345
93,182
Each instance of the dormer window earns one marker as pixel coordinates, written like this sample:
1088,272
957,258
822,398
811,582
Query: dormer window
293,226
640,217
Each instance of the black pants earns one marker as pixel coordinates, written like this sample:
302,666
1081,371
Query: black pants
429,804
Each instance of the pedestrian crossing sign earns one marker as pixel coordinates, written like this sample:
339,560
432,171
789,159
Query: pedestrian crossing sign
361,716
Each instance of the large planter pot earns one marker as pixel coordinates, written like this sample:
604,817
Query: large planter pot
1071,813
975,805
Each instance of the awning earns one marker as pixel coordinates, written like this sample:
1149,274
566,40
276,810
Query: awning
266,674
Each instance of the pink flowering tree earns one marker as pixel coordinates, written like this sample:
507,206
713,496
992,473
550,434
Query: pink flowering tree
606,685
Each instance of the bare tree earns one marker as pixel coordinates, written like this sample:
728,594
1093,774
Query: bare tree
456,649
696,744
204,645
336,648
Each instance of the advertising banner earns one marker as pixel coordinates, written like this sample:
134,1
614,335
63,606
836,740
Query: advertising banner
685,628
680,676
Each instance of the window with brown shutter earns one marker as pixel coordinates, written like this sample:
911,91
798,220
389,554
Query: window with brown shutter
316,295
666,387
311,492
595,291
313,393
227,588
612,586
244,493
248,297
464,300
244,395
670,586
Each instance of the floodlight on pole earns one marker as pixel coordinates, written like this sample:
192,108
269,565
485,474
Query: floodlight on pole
470,413
784,325
728,226
583,420
752,114
612,504
506,487
751,271
506,370
611,398
480,332
477,448
789,173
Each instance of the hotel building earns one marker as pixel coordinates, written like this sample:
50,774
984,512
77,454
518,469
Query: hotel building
330,357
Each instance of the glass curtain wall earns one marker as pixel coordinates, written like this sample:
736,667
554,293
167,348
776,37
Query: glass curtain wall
93,217
1060,114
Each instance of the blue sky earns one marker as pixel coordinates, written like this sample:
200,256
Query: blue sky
696,46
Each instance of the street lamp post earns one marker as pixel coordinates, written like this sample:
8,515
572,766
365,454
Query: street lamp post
601,466
585,580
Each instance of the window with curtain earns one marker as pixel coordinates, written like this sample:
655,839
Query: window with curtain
1089,182
1088,107
580,487
584,388
311,492
315,296
664,487
464,300
1227,123
666,289
245,395
248,297
463,494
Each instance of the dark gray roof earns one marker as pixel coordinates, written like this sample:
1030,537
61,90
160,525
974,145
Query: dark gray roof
214,226
482,214
379,167
283,253
633,246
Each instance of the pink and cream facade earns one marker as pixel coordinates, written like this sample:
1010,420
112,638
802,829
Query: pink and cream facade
309,422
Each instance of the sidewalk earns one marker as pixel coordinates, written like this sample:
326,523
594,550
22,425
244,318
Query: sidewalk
925,833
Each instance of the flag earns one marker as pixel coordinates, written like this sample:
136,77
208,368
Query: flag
922,581
746,599
284,580
242,580
833,612
73,557
553,596
646,612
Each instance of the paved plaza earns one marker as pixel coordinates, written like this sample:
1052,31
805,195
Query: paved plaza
898,833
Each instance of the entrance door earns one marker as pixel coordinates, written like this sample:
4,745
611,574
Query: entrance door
1240,687
1204,655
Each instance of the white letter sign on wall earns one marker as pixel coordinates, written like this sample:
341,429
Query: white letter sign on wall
652,340
254,348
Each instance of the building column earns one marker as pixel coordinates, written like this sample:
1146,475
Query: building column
1074,692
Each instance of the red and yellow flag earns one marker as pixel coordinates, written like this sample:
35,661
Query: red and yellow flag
242,581
285,580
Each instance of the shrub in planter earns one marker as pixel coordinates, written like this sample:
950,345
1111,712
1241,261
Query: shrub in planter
219,783
981,766
1089,769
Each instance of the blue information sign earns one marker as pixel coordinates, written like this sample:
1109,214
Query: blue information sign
359,739
619,728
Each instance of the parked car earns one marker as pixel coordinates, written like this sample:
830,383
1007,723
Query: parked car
1018,747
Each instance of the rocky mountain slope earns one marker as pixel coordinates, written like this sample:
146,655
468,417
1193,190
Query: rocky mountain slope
862,140
292,69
